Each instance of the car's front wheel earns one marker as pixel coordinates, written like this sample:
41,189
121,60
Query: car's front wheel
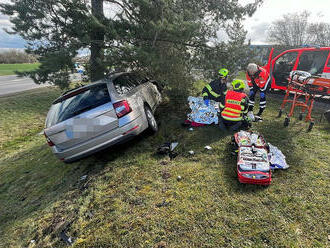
152,123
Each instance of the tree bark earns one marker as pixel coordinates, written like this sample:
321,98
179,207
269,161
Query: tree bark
97,67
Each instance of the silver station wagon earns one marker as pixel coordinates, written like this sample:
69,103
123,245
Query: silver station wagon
90,118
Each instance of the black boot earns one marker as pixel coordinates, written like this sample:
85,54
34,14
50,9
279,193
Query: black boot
258,117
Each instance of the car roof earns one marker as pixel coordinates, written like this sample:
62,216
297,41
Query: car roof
74,91
66,94
117,74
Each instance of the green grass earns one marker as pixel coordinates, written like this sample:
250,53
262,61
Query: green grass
9,69
120,203
241,75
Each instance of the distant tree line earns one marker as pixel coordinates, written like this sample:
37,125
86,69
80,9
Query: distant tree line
15,56
296,29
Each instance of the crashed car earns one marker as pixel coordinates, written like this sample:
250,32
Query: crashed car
253,164
92,117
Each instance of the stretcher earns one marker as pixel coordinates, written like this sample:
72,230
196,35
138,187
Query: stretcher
304,87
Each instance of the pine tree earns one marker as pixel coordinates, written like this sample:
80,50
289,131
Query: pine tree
162,38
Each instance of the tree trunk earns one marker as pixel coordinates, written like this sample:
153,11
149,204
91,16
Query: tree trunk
97,43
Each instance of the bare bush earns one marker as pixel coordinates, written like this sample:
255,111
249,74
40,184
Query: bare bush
296,29
15,56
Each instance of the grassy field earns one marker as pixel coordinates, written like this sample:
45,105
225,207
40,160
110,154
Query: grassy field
132,198
9,69
241,75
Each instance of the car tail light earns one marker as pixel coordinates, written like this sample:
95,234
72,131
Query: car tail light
122,108
49,142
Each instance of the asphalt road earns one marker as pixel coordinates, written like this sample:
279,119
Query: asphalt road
13,84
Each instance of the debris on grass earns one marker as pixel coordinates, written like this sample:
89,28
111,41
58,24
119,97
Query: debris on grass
89,214
164,149
173,155
163,204
250,115
191,129
208,148
173,145
168,149
136,201
161,244
179,178
166,175
68,240
188,123
191,152
164,162
277,158
84,177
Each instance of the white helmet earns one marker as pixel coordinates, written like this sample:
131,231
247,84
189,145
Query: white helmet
252,68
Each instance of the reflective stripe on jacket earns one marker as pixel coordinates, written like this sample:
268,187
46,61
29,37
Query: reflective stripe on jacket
233,108
214,90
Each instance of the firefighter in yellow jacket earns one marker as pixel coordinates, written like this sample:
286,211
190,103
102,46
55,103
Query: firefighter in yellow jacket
234,107
217,88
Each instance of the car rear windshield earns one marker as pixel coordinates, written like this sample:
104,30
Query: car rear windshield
77,102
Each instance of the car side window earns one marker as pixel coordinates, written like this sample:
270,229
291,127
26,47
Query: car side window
138,79
313,61
288,58
283,67
124,84
134,79
144,80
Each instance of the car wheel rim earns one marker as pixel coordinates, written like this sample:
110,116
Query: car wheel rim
151,118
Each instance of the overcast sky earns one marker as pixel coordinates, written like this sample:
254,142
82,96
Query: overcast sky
273,9
255,25
6,40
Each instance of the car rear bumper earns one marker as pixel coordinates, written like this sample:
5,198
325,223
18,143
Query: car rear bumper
103,141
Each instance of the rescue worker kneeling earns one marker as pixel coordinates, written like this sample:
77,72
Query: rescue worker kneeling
234,107
216,89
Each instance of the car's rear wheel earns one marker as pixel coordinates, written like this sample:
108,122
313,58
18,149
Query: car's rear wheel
152,123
